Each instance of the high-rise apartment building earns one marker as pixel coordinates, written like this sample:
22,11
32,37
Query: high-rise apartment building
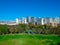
57,20
47,20
24,21
28,19
40,21
17,21
33,20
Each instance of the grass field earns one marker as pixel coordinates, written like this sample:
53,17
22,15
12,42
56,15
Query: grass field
25,39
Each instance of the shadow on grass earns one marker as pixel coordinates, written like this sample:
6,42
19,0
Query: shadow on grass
58,43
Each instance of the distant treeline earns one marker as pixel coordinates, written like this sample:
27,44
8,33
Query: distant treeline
29,29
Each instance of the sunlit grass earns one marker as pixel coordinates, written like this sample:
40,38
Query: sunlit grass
29,39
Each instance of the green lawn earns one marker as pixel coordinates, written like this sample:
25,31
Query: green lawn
25,39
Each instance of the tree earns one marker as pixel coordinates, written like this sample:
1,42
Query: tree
3,29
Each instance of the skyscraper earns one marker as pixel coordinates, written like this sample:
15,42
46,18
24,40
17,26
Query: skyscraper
33,20
57,20
28,19
47,20
17,21
40,21
24,21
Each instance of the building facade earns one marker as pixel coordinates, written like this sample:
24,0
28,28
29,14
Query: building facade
40,21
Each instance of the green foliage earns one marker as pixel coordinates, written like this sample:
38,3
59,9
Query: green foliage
36,29
3,29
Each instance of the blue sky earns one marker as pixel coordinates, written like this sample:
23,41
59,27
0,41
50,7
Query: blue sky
11,9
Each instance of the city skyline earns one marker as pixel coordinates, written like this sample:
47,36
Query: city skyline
32,20
12,9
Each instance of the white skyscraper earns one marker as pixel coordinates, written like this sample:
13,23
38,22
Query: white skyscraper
24,21
17,21
42,22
